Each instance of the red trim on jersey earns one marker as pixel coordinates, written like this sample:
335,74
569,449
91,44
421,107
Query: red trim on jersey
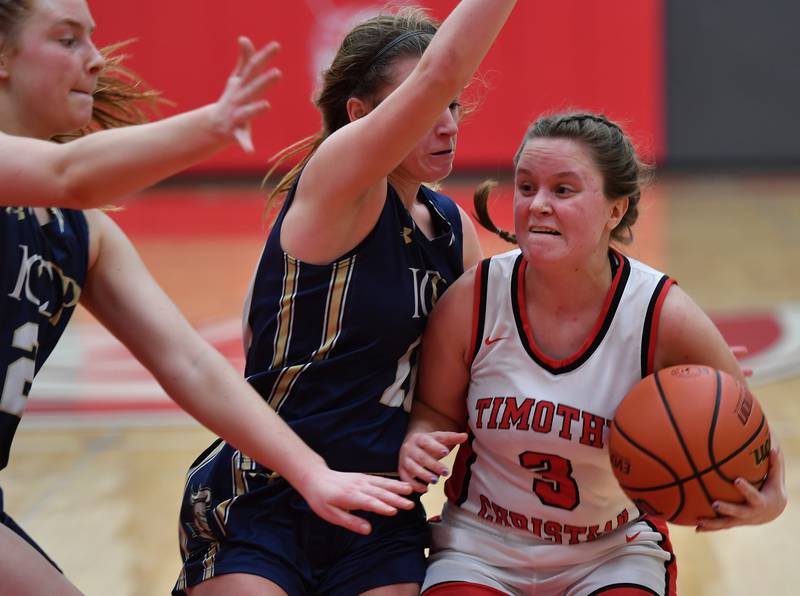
651,348
476,310
598,325
461,589
670,567
456,484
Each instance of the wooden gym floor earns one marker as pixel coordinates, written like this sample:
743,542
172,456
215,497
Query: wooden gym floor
97,467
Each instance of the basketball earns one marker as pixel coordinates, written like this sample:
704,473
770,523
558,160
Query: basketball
681,437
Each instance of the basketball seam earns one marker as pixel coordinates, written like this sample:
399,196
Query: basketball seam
678,434
716,465
669,469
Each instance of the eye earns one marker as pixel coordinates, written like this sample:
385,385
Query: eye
525,187
563,190
455,107
68,42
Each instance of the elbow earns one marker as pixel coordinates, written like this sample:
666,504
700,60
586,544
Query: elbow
73,192
443,71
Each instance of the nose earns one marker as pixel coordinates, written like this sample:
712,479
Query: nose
96,62
447,124
540,203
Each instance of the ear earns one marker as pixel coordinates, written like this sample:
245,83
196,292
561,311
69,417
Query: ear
3,59
619,207
356,108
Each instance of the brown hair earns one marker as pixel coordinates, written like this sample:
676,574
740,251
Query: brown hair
120,98
361,68
624,173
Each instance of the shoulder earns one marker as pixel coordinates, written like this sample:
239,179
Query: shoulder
687,335
444,203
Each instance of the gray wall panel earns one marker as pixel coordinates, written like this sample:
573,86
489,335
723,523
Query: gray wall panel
733,82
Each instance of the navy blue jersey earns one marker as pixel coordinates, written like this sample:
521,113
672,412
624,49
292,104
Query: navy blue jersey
334,347
42,271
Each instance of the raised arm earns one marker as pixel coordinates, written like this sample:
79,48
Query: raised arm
687,336
363,153
104,166
438,416
124,297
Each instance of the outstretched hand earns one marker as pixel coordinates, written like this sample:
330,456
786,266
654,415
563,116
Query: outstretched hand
332,495
420,453
759,507
243,99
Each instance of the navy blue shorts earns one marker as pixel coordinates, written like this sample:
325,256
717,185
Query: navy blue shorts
238,517
8,522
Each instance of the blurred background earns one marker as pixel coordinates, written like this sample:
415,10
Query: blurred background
708,90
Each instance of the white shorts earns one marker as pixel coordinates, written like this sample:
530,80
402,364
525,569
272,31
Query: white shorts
467,549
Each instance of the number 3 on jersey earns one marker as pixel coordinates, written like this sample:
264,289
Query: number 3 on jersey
19,374
554,485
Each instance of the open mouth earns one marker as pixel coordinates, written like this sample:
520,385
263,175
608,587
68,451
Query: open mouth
445,152
547,231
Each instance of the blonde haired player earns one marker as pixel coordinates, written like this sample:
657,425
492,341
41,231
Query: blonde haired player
54,256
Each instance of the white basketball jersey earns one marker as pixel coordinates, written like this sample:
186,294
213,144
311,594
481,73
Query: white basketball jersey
537,457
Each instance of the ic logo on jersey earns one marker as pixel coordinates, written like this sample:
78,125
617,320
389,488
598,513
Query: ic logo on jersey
428,286
34,267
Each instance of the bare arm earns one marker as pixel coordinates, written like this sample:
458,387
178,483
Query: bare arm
104,166
687,336
124,297
473,252
438,416
348,172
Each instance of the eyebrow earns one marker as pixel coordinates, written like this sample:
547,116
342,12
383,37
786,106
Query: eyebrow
78,25
564,174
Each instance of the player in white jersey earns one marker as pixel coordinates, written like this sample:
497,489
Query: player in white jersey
534,351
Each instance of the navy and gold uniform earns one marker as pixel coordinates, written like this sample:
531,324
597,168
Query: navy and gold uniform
43,269
333,351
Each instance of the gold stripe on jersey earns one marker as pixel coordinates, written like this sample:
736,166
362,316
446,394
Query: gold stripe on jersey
210,456
334,307
241,465
283,333
341,276
208,561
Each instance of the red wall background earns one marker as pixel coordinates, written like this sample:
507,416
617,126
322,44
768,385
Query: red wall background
604,55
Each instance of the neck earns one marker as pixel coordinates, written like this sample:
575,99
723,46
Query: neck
13,121
406,189
568,289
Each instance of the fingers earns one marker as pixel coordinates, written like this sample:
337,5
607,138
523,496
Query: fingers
449,439
396,486
739,351
347,520
246,51
256,87
258,61
244,138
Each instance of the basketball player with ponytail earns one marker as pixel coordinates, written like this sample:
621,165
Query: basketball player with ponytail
54,82
358,253
524,362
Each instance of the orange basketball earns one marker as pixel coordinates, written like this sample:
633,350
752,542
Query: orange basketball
682,436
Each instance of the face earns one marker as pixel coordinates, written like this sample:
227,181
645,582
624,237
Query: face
432,158
51,71
561,213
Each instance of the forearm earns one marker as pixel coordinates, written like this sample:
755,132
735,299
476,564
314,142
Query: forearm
214,393
478,21
106,165
425,418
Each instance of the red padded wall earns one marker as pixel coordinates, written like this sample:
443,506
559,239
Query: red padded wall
604,55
